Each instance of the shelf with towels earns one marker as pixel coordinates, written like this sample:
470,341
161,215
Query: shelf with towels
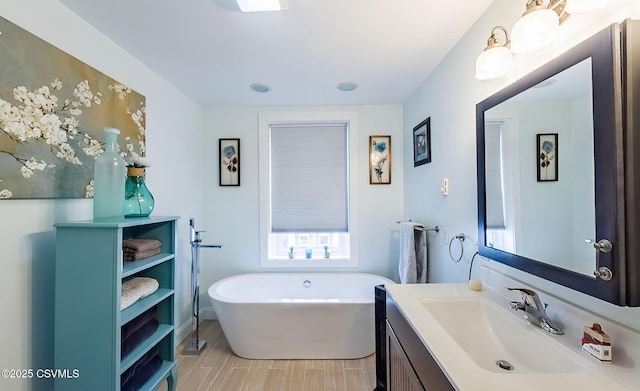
90,273
131,268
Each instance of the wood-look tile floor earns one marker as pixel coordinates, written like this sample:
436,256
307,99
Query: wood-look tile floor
218,369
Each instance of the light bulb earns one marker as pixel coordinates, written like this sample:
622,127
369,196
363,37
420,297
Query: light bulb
493,63
534,31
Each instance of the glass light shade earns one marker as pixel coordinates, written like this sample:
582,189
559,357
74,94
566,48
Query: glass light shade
534,31
493,63
580,6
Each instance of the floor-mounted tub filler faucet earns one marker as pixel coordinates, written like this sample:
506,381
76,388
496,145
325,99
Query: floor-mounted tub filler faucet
196,346
534,311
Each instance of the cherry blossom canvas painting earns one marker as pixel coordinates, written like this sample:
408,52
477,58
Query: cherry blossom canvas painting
53,112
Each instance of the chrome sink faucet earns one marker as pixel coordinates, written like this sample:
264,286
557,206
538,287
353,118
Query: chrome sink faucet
534,311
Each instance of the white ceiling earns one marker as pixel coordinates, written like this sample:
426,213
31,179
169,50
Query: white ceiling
212,52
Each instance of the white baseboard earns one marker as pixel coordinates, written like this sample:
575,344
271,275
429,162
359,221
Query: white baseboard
207,313
184,331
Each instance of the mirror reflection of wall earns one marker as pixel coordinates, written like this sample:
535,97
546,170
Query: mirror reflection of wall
555,220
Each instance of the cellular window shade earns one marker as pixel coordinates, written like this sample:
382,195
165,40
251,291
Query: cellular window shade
309,178
495,216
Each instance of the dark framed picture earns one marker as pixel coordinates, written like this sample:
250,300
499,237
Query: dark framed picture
229,149
379,160
422,143
547,152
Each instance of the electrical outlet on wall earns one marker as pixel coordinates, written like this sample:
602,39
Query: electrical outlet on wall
445,235
444,189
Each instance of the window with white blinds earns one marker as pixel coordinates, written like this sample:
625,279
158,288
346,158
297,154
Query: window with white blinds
308,165
494,181
309,177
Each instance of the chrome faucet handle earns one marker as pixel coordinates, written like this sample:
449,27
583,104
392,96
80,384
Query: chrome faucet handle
523,290
534,311
529,297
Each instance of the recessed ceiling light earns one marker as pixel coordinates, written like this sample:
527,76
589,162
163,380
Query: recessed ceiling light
259,87
347,86
262,5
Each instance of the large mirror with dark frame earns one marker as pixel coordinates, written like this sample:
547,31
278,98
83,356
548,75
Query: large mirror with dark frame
551,173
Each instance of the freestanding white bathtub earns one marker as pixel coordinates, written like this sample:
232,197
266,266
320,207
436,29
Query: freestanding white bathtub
298,315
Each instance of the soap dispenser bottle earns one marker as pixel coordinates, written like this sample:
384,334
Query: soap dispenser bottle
109,176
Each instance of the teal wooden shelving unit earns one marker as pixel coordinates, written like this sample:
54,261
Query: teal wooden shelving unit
89,273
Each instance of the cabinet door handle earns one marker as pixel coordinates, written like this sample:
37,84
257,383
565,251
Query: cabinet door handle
602,272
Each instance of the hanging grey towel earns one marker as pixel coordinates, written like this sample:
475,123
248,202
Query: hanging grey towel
412,264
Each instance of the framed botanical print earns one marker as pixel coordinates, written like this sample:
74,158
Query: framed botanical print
422,143
547,152
379,160
229,152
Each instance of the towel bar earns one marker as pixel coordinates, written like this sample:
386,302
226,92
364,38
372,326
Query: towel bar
421,227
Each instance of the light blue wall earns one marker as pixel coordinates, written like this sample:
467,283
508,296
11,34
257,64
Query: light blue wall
558,214
27,238
231,213
449,96
545,207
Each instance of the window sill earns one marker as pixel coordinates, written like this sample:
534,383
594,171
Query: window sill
308,263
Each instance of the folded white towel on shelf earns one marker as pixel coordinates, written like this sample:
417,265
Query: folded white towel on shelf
412,263
135,289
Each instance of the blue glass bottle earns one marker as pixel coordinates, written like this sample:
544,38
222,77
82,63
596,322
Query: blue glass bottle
138,199
108,178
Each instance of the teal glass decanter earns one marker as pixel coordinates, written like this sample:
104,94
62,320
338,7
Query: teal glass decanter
138,199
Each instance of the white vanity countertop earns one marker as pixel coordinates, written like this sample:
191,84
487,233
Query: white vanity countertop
466,375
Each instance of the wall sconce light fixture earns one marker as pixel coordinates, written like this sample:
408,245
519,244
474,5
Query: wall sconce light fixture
538,27
496,59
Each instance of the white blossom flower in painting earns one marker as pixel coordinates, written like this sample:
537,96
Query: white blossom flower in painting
121,90
52,119
4,193
38,118
89,190
138,117
91,146
135,158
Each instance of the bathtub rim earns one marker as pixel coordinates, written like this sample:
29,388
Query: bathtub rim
213,294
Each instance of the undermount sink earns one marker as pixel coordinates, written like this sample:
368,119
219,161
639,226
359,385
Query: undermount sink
497,340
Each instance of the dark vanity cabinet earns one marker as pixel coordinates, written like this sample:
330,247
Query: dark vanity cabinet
410,366
401,374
